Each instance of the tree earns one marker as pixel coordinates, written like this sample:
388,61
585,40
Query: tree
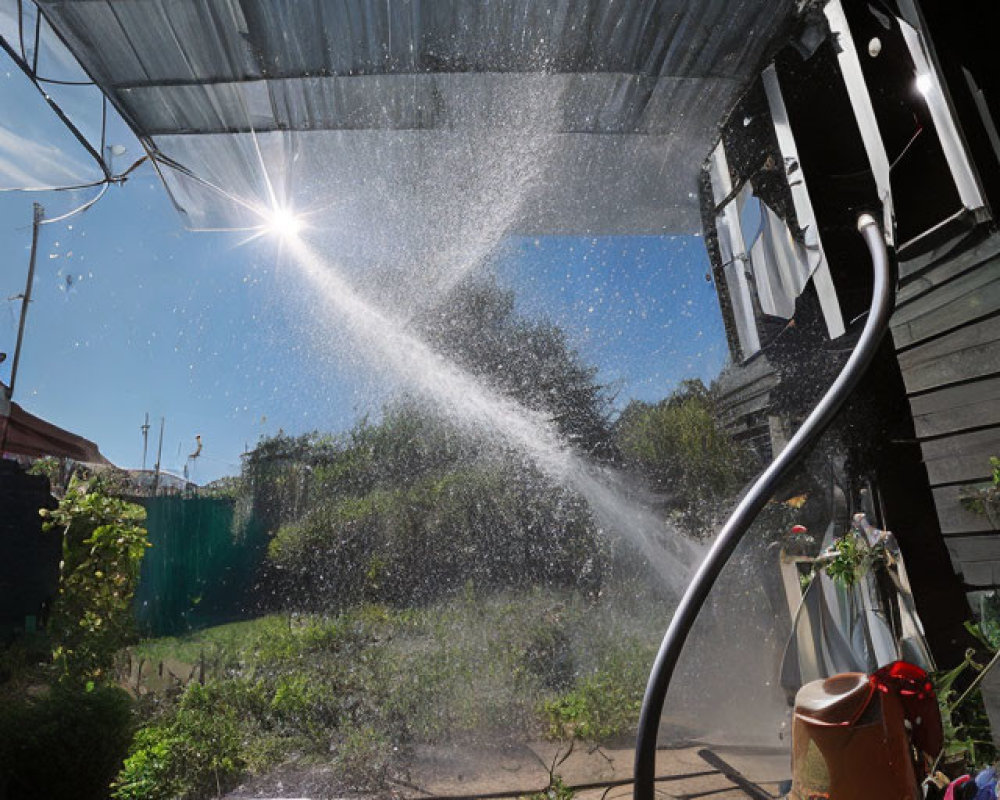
528,360
680,445
409,508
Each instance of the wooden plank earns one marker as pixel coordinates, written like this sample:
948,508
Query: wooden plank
963,457
744,381
980,573
967,353
974,549
753,405
957,408
955,517
972,296
736,395
944,270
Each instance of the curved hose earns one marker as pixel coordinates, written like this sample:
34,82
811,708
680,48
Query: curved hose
739,522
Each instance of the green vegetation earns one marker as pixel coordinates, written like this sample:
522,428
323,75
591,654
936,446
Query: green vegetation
498,528
605,704
680,446
63,741
427,586
64,725
103,546
853,559
424,584
370,682
967,731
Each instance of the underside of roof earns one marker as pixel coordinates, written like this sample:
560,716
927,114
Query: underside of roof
25,434
599,112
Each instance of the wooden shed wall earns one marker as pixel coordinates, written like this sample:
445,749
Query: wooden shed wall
946,330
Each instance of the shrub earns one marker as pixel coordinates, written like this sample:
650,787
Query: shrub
681,445
197,749
605,704
68,743
499,528
103,546
364,758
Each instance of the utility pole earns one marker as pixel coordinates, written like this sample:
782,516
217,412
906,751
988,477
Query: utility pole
145,439
159,453
38,215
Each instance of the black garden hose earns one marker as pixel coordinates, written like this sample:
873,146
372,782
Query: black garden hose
883,300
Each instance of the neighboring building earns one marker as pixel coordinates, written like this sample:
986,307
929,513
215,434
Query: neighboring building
891,109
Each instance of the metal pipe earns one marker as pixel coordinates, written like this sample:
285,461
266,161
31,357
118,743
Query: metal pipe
883,300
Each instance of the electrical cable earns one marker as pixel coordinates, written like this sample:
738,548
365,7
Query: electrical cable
883,300
79,209
121,177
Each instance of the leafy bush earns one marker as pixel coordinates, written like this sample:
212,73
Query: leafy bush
364,758
681,445
967,732
605,704
196,750
64,745
68,740
103,547
500,528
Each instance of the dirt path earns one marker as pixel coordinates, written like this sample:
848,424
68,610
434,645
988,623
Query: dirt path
478,771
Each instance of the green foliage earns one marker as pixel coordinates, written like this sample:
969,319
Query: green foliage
852,559
68,740
526,359
103,547
368,683
556,790
364,758
681,446
51,468
605,704
66,743
499,528
197,750
967,730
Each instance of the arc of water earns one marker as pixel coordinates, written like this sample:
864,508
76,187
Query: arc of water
475,406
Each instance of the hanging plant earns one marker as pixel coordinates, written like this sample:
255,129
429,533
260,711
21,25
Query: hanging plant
850,557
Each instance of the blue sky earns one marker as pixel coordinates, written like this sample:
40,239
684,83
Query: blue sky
133,313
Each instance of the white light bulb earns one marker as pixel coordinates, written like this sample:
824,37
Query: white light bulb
924,84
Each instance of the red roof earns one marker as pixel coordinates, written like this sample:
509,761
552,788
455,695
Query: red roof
28,435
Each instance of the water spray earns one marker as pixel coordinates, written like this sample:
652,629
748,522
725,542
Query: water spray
475,405
883,301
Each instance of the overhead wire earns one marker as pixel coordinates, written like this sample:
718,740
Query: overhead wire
79,209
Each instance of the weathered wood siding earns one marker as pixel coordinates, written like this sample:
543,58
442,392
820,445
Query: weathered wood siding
946,330
744,394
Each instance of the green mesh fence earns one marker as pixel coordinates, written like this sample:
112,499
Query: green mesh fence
200,570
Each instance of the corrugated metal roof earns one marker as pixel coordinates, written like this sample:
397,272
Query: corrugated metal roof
612,105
